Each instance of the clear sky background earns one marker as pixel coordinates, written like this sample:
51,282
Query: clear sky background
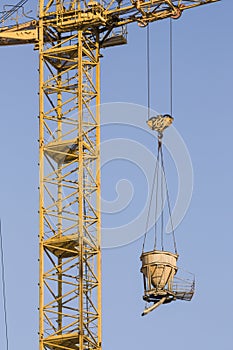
203,104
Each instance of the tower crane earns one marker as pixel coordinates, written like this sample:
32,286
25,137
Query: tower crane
69,36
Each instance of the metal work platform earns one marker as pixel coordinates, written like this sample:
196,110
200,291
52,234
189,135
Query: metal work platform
162,279
65,246
66,151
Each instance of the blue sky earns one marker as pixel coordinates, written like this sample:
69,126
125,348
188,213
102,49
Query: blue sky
202,96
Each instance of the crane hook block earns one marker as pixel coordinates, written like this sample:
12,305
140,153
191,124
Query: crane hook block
160,122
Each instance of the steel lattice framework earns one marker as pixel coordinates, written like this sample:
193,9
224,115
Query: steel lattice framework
69,36
70,298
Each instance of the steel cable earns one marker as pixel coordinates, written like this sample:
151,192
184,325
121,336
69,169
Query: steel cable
171,67
159,160
148,68
168,202
150,204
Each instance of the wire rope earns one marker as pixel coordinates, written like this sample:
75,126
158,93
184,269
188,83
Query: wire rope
160,160
162,203
148,67
150,203
168,202
148,116
156,198
4,288
171,66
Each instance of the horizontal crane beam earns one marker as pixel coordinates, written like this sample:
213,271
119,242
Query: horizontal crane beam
96,16
25,33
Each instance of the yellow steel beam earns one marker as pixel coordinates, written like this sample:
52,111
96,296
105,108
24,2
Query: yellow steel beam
67,16
70,260
41,178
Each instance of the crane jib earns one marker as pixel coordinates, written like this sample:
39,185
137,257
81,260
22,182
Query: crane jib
94,15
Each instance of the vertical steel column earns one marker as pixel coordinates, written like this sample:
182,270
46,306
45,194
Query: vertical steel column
70,225
98,181
41,175
80,182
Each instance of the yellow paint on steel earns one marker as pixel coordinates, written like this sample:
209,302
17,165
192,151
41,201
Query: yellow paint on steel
98,200
96,15
41,174
80,184
59,197
70,263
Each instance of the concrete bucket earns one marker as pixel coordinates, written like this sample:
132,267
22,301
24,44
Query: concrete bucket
159,268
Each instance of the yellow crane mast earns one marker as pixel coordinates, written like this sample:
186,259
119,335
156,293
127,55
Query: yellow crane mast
69,36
